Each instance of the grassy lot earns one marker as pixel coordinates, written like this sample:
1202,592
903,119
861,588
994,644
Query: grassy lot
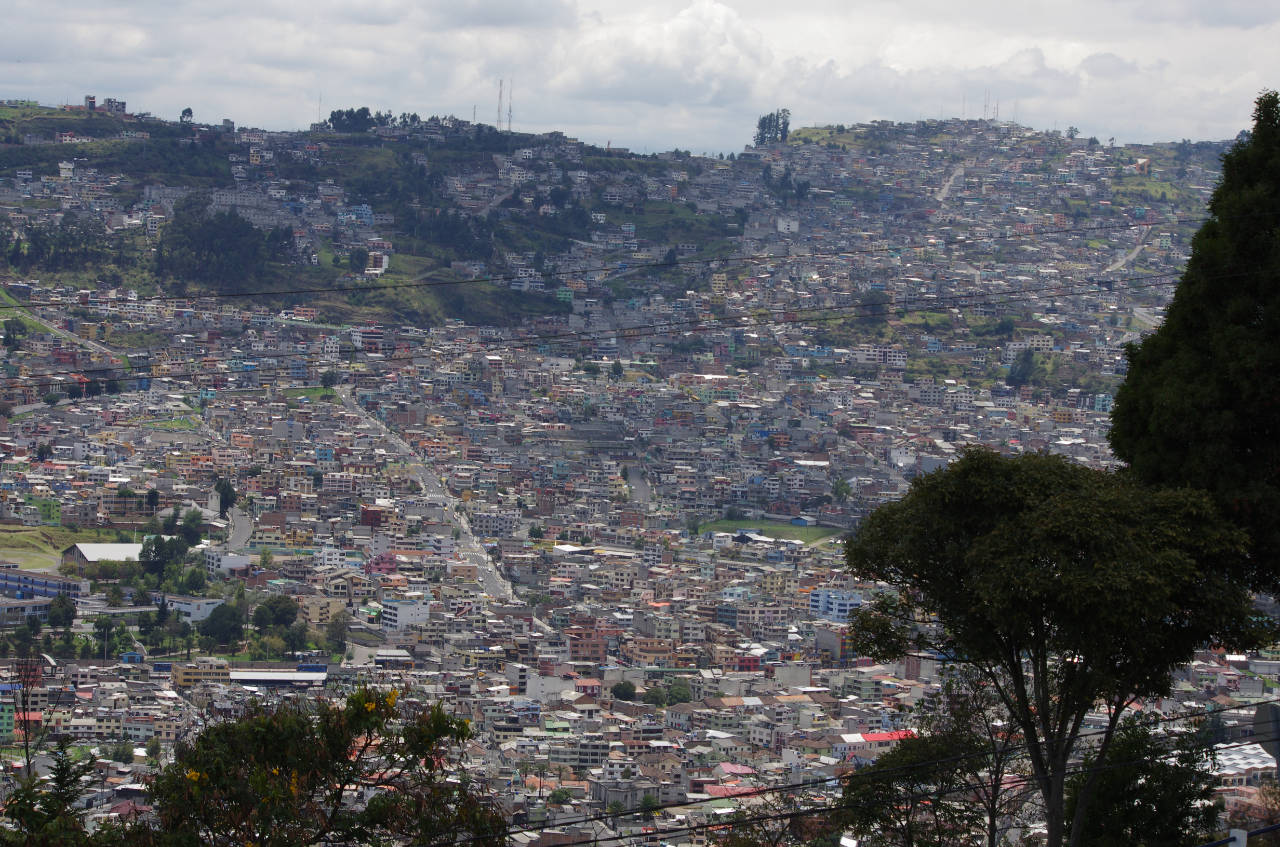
315,392
31,324
179,424
773,529
42,546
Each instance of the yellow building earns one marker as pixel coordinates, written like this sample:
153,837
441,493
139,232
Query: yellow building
203,669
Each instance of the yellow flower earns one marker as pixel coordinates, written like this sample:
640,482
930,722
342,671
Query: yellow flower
368,707
194,776
391,698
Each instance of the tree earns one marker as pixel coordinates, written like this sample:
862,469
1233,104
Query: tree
840,490
226,496
45,812
52,398
351,120
223,624
121,752
62,611
873,307
778,819
262,619
969,716
153,500
115,596
655,696
1199,405
154,748
281,776
14,329
678,691
1064,587
1026,370
624,690
773,128
1152,794
358,259
559,796
192,526
186,115
329,379
283,609
297,636
336,631
44,452
103,628
912,796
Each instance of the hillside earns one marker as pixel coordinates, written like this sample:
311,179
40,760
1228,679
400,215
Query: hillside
460,220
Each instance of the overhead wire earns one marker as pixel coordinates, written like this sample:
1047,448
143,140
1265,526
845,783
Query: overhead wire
889,772
867,774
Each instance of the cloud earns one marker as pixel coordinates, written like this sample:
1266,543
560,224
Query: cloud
688,73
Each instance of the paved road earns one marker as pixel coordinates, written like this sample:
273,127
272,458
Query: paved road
469,549
941,196
241,529
639,484
70,336
1132,254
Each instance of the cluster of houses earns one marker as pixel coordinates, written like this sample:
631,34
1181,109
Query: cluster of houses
609,537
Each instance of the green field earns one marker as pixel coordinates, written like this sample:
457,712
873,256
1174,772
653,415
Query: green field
42,546
178,424
773,529
315,392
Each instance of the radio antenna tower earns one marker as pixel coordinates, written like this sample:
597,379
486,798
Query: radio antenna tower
511,93
498,124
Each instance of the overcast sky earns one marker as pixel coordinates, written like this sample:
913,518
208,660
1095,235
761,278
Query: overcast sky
659,74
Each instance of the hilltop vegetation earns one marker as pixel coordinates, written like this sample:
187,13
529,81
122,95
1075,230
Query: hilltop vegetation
204,247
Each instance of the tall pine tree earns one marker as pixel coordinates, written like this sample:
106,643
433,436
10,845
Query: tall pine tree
1201,403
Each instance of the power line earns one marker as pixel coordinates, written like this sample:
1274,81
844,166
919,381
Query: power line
614,268
791,814
888,772
773,316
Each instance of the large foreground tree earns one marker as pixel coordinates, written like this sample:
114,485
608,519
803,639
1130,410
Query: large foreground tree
1065,588
358,773
1201,403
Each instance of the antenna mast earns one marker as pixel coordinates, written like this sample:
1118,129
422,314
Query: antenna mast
511,93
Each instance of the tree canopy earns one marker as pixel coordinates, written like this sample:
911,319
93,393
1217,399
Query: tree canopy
223,624
222,248
1064,587
1201,403
773,128
282,776
1152,793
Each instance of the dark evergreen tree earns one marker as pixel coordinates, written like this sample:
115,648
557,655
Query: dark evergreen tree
1201,403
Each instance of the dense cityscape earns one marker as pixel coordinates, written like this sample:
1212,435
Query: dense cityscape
565,439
